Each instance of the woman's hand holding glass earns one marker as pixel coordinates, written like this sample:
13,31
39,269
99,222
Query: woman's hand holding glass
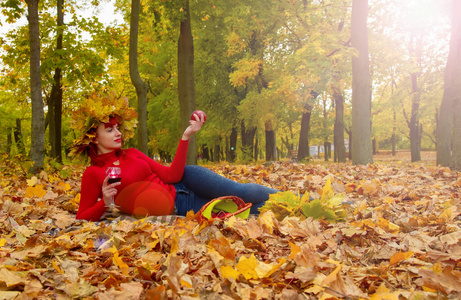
112,180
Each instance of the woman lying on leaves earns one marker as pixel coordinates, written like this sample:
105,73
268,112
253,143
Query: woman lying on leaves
146,187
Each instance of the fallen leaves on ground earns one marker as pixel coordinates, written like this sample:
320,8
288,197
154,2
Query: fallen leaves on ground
400,239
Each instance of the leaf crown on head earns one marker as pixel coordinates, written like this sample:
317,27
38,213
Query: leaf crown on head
100,107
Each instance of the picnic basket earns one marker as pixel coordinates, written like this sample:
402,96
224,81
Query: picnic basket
223,208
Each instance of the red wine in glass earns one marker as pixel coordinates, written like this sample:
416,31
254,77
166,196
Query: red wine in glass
115,175
114,180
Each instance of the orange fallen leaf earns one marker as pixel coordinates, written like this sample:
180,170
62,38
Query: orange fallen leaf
400,256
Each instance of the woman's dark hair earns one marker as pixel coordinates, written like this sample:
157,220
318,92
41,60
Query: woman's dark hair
95,158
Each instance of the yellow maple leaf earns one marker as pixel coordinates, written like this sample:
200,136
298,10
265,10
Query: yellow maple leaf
174,244
56,267
266,221
247,267
52,178
274,267
387,226
105,246
369,223
332,276
36,191
186,282
264,270
2,242
437,268
328,192
295,249
121,264
64,186
448,214
229,272
428,289
76,199
383,293
89,244
317,287
33,181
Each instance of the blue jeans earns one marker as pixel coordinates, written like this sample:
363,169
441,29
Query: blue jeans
200,185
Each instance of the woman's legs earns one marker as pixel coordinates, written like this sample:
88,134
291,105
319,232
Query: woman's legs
207,185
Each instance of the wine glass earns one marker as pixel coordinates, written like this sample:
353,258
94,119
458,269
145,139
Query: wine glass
115,175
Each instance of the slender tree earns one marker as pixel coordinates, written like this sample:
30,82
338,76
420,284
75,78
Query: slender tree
186,86
450,116
55,100
413,122
340,148
140,86
361,90
449,123
303,144
37,150
270,141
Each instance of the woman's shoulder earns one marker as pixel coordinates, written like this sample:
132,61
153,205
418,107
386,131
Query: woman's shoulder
132,151
91,171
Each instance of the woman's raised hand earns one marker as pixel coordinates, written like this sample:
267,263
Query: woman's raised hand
195,125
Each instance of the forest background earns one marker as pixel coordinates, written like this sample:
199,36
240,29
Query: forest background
271,75
382,74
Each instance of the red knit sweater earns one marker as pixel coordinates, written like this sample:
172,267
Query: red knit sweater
136,167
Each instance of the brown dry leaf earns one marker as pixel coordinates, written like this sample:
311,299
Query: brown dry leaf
11,279
400,238
128,291
303,274
448,281
400,256
64,220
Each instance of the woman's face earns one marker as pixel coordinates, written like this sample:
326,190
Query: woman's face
108,137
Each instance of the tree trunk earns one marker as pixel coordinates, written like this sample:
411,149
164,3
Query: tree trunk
37,149
9,141
415,136
327,147
340,148
456,156
217,153
186,86
247,142
256,148
453,84
270,142
55,100
303,147
449,109
140,86
394,130
18,137
205,153
287,144
361,90
232,145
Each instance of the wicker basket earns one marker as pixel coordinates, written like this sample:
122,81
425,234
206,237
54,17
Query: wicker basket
230,205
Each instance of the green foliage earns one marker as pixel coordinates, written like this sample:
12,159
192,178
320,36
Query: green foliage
12,9
255,61
317,210
16,165
52,166
286,204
